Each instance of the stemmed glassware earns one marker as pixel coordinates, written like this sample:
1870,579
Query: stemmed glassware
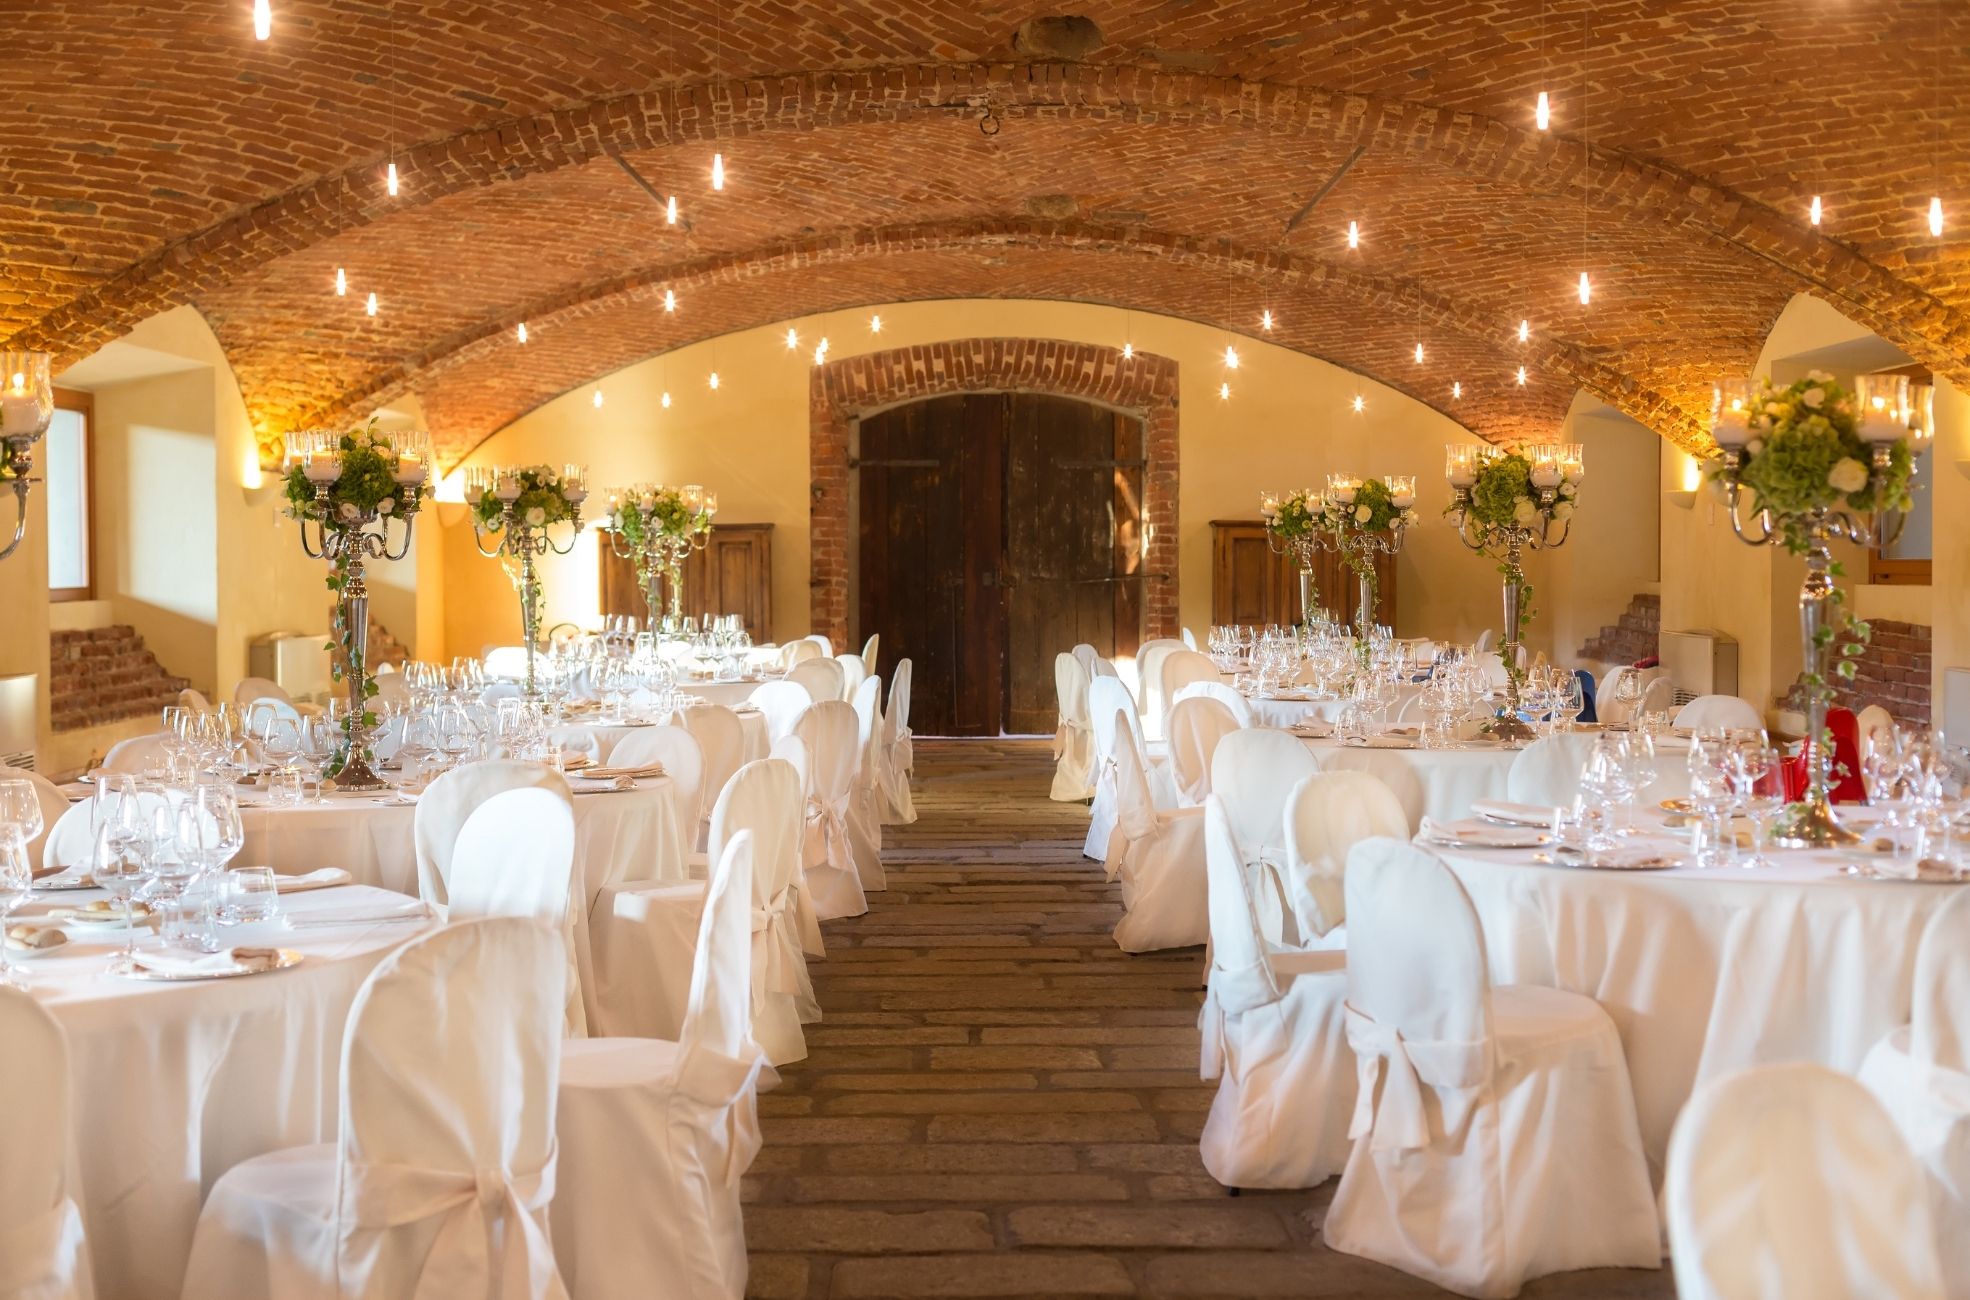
20,821
123,861
1757,782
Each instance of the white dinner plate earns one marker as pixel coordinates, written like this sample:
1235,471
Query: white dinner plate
1474,834
130,969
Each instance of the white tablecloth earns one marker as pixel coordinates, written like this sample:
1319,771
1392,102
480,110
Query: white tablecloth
1705,972
173,1084
1438,783
730,694
606,736
627,835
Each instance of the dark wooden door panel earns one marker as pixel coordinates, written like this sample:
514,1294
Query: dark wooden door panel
732,575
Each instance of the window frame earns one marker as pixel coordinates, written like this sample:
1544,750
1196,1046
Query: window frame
73,399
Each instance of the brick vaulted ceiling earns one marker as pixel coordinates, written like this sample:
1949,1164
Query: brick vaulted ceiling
1199,158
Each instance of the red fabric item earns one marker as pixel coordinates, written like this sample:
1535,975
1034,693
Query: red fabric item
1844,782
1650,662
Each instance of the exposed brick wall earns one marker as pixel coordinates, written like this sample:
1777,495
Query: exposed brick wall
1633,637
104,674
842,391
1894,672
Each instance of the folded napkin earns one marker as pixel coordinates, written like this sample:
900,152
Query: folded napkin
1312,729
408,910
322,878
1386,741
178,962
575,761
597,785
1478,835
614,773
1514,814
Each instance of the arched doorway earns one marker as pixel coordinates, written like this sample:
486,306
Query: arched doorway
993,531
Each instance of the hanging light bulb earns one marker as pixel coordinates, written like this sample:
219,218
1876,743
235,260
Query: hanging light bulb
1525,330
1359,404
666,399
598,399
793,339
670,300
718,171
390,179
670,210
341,283
1521,376
263,20
1936,216
714,380
1815,211
1128,350
1542,112
1419,354
820,355
875,324
1354,234
824,345
1230,357
1586,290
1265,319
1224,392
371,308
521,333
1456,391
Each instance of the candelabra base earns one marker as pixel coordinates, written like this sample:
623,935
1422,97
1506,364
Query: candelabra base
357,775
1510,729
1812,825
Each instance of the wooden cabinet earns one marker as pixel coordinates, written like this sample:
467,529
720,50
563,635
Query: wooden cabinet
1252,585
733,574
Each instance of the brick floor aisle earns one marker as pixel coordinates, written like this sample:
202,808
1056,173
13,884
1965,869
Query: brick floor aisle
1001,1103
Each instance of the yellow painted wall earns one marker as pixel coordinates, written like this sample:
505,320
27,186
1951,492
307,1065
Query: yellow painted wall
1288,422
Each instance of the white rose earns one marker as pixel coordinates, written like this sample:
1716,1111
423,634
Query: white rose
1772,408
553,480
1819,376
1753,447
347,510
1564,510
1813,397
1847,475
1362,514
1525,513
385,506
536,516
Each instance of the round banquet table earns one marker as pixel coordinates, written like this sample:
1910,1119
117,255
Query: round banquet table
607,735
730,694
1288,711
173,1084
1705,972
1436,783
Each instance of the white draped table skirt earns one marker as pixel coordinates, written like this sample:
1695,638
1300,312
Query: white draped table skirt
1438,783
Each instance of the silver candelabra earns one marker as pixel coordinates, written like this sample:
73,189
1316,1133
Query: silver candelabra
517,539
660,552
27,405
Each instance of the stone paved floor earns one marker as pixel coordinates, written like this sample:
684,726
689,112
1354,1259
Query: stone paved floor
1001,1103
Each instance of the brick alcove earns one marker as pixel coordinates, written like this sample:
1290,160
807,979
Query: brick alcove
842,392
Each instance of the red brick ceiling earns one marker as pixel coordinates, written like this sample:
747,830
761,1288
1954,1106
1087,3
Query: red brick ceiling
161,156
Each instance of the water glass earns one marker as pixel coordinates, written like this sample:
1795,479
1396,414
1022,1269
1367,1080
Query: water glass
285,788
250,894
185,921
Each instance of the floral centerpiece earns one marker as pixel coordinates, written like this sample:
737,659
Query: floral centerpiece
1295,525
537,496
349,486
1810,462
521,505
1368,517
655,527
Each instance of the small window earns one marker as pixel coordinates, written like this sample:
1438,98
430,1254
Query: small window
67,495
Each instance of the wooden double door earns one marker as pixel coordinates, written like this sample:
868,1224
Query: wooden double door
996,530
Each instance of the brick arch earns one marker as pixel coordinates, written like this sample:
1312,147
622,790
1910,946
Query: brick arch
1467,143
1482,323
842,392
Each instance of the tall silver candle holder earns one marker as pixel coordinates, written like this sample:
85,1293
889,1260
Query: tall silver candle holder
1811,464
1293,528
657,528
1504,505
516,509
345,489
27,406
1367,518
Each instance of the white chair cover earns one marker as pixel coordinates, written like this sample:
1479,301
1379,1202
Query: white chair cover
832,734
853,673
1189,639
795,651
1920,1073
1241,708
444,806
1149,658
1548,770
1273,1038
1159,858
54,806
822,643
1073,736
865,802
646,934
1108,698
899,759
1484,641
655,1135
1873,723
823,678
1727,711
1659,696
440,1178
515,856
507,661
1492,665
1789,1182
1087,656
72,842
42,1252
869,648
1327,814
789,749
1197,725
1106,668
683,761
194,700
781,702
135,755
1254,772
249,689
1495,1131
722,739
1180,668
263,710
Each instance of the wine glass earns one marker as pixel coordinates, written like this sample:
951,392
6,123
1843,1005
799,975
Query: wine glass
1756,771
123,866
20,810
16,881
281,738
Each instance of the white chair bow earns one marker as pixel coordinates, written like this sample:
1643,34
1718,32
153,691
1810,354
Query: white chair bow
1390,1110
379,1197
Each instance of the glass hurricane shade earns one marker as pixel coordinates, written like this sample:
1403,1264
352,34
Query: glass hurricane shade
27,395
